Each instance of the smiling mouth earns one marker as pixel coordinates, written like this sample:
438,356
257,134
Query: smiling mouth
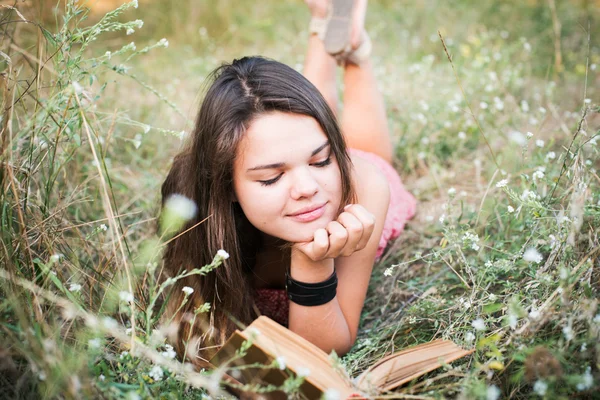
310,214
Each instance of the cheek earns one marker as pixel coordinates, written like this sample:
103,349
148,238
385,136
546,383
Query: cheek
259,203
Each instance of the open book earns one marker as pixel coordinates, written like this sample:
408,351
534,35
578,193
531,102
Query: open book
271,340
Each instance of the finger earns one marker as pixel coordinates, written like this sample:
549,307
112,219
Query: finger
366,219
355,231
320,244
338,236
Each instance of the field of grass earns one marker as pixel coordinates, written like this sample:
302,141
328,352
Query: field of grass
496,136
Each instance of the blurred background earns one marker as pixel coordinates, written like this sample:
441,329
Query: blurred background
98,96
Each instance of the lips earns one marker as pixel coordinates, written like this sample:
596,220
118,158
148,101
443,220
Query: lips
309,213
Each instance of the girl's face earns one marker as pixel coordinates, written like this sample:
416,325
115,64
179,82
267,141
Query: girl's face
285,176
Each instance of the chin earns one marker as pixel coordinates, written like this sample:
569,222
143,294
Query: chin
303,232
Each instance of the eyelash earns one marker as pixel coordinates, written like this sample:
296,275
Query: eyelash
321,164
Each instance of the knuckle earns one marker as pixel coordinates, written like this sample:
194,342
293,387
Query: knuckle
355,228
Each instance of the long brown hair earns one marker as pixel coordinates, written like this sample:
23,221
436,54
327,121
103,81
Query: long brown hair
239,92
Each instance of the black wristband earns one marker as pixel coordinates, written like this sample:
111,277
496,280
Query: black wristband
311,294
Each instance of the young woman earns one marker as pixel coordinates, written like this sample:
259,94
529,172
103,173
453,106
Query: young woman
298,201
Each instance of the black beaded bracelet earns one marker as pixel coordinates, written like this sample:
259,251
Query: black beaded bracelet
311,294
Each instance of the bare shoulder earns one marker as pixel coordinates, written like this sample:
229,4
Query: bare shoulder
371,186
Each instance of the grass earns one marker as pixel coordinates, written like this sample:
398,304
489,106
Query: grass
503,254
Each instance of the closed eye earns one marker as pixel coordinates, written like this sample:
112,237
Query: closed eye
323,163
270,181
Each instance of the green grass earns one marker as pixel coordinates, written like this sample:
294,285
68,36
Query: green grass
82,165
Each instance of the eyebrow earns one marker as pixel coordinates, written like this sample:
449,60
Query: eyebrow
279,165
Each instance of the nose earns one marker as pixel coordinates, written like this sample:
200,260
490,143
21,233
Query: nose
303,184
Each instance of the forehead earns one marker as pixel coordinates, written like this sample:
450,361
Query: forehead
280,137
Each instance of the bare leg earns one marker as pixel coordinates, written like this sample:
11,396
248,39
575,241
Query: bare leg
320,68
364,121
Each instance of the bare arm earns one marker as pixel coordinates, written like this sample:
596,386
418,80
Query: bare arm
334,325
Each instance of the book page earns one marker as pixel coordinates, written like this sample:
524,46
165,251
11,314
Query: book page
406,365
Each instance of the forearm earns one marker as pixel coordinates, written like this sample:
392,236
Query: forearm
324,325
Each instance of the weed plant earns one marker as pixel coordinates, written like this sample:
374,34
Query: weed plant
496,131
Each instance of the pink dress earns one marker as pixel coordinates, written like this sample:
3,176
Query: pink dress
274,303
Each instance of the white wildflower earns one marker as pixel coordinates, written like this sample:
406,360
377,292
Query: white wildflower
223,254
169,352
551,155
466,304
587,101
101,377
524,106
451,191
331,394
94,343
538,175
478,324
132,396
563,274
181,206
109,323
388,272
583,348
529,135
126,296
517,137
469,337
483,105
528,195
74,287
280,361
532,255
421,155
540,387
502,183
442,218
527,47
163,42
187,290
254,332
130,31
123,355
108,55
498,103
156,373
534,314
492,393
596,319
542,110
510,209
512,320
587,380
103,227
134,3
128,331
539,143
425,141
462,135
54,258
568,332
